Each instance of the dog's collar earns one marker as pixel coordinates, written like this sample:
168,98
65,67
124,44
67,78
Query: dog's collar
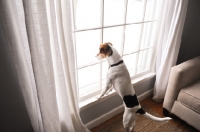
121,61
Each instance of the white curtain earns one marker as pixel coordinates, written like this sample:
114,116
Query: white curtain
170,27
39,38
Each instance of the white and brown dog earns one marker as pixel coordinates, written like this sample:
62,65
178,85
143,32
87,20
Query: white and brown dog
118,77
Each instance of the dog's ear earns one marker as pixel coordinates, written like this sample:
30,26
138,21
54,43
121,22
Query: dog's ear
102,50
108,48
109,43
109,51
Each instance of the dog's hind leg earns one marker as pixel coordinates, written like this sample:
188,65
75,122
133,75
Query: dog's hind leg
126,127
132,127
127,120
134,117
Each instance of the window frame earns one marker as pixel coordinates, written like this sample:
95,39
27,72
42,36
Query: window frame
101,28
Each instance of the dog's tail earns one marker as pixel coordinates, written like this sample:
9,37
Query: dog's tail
141,111
156,118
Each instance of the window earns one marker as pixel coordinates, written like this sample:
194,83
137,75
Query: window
128,24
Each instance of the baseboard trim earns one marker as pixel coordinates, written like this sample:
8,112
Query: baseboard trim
115,111
145,95
104,117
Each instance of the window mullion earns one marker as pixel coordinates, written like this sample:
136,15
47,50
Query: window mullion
102,24
137,58
124,29
95,28
140,41
74,39
139,50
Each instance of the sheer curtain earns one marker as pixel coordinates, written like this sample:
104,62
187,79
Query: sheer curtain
170,27
39,38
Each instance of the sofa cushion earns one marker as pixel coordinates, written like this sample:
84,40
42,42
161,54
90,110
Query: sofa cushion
190,96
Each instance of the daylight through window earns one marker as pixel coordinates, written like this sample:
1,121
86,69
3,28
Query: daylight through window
128,24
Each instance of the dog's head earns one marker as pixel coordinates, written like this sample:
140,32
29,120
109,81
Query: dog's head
104,50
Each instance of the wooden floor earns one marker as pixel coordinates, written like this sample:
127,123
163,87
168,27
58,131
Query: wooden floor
157,107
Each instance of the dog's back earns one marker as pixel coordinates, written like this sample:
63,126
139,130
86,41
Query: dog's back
121,80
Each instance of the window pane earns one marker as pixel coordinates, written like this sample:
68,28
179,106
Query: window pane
114,35
144,60
151,9
105,67
89,79
132,38
148,36
88,14
130,61
87,46
135,11
113,12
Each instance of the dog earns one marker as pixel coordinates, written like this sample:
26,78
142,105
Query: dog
118,78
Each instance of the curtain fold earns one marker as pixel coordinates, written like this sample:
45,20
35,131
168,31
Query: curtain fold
170,28
39,38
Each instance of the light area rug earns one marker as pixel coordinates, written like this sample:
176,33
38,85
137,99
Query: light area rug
142,125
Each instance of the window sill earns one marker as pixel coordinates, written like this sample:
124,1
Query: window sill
92,101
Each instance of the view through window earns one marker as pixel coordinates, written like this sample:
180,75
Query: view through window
128,24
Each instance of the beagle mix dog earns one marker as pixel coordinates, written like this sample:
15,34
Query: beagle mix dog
118,77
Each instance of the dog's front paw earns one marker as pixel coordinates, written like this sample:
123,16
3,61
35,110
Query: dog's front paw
109,92
131,130
97,97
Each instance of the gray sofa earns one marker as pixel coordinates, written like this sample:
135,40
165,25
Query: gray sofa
183,92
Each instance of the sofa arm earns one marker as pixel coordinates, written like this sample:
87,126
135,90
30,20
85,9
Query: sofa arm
181,76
